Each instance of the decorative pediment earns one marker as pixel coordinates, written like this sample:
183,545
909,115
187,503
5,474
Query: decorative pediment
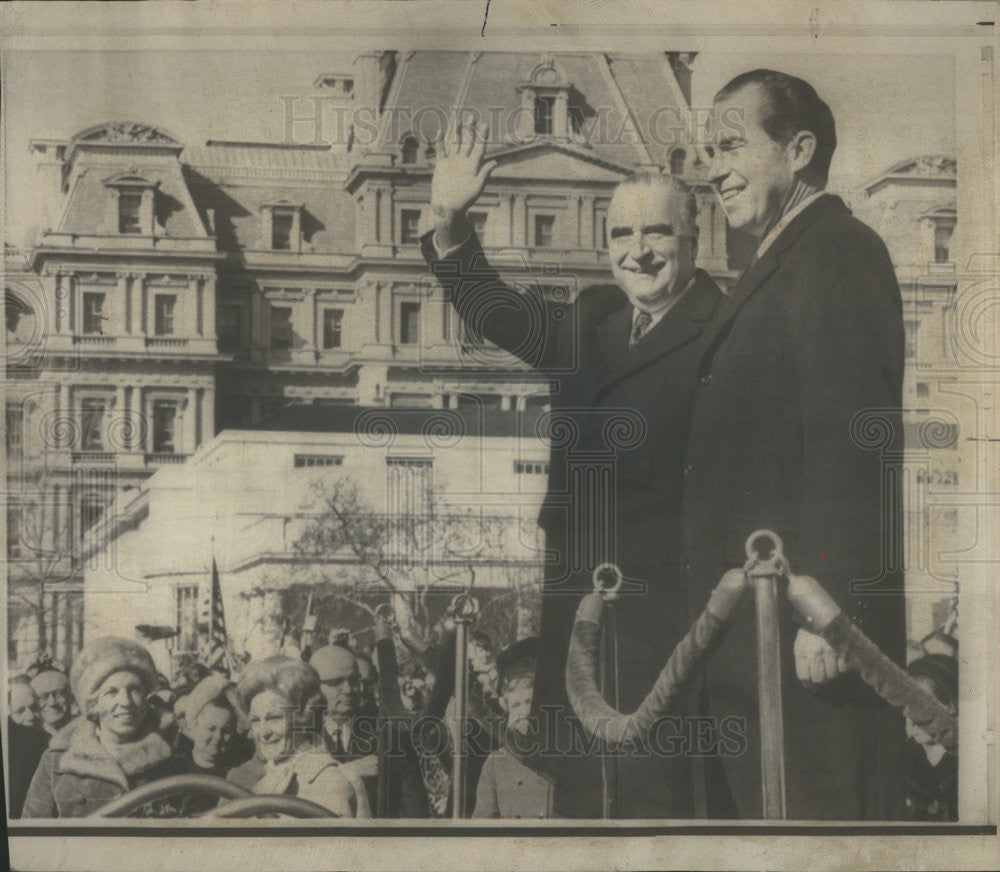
125,133
546,75
281,204
943,212
937,170
935,165
553,161
130,179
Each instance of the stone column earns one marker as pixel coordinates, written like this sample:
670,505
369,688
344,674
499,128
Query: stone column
69,294
386,329
58,310
519,228
208,310
207,414
192,307
189,410
142,310
586,235
118,423
718,248
385,219
119,311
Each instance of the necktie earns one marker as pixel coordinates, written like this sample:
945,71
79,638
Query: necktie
639,327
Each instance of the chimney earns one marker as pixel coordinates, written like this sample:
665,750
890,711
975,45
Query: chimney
49,155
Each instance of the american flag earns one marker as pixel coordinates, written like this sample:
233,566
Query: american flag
213,650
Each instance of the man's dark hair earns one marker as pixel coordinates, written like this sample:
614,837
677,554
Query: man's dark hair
791,105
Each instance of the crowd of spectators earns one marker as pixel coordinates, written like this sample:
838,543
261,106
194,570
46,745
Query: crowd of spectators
352,731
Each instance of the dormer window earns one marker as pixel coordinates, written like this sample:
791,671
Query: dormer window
942,243
545,99
545,108
282,225
281,231
411,149
129,210
132,201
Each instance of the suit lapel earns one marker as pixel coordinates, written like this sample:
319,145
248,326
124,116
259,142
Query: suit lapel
762,269
612,338
681,324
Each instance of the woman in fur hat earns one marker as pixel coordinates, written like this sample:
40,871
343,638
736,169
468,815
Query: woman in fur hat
114,747
284,703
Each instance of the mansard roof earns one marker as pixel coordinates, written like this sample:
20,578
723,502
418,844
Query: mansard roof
630,108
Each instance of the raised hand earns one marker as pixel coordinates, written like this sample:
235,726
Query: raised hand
459,178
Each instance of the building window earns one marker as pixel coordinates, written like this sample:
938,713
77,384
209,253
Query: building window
129,211
164,427
229,327
409,323
14,523
409,226
15,430
923,390
187,617
164,314
602,232
91,510
544,225
942,243
333,320
545,110
303,461
281,231
281,327
93,313
677,158
92,424
410,149
478,222
531,467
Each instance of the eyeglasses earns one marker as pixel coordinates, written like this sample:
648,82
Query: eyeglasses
53,695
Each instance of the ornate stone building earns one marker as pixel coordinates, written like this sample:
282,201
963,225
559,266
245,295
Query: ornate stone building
180,289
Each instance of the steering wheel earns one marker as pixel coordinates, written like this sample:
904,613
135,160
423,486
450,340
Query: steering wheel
243,803
190,783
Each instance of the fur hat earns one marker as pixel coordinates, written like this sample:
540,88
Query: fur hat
104,657
215,688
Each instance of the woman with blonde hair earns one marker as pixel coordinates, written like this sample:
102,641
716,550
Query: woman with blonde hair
115,747
284,704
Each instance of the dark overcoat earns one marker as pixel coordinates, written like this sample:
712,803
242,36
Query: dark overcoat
796,427
618,429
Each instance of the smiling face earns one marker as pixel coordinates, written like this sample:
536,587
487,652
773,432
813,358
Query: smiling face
270,724
753,175
120,705
52,690
650,242
211,734
23,705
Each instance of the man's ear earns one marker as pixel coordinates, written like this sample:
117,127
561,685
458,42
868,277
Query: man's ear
801,148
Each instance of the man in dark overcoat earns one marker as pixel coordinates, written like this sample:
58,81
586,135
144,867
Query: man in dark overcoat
796,427
623,359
